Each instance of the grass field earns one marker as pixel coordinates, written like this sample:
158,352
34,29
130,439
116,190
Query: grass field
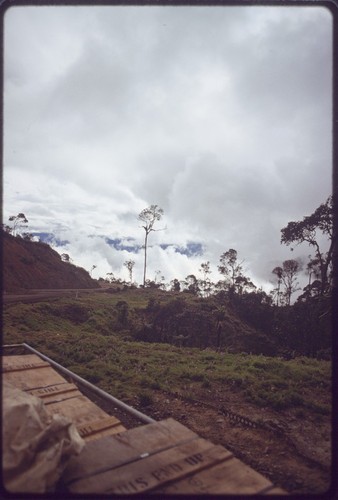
81,335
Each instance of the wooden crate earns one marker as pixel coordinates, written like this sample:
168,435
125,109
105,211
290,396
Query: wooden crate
35,376
162,458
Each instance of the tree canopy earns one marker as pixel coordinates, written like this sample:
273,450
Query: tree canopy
308,230
18,221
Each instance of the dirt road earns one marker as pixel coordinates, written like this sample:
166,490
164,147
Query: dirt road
37,295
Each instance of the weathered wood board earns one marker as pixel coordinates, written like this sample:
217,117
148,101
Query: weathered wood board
223,479
37,378
100,428
162,458
129,446
54,393
28,361
83,412
147,473
31,374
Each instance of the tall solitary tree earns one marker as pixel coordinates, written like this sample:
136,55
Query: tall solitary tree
308,230
149,216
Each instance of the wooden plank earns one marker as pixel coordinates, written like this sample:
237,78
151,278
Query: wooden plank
21,359
110,431
105,454
230,477
60,397
27,366
79,409
33,379
85,416
99,428
24,362
107,433
45,392
148,473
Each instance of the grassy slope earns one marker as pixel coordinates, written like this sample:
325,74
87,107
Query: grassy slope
86,343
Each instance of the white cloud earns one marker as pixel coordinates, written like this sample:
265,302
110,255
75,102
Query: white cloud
222,116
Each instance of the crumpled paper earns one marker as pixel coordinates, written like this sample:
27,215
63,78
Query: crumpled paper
36,445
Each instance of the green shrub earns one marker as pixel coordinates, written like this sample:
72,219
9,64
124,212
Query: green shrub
150,382
145,381
260,365
73,312
145,399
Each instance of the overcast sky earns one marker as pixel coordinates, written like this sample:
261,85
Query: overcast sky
222,116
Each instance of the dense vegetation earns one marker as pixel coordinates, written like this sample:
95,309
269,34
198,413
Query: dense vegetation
242,324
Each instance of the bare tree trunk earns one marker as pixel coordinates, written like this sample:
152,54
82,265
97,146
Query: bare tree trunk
145,258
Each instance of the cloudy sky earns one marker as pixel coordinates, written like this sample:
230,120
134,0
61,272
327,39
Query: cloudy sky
222,116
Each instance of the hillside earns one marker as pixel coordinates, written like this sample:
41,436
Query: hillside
154,316
179,319
272,413
35,265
